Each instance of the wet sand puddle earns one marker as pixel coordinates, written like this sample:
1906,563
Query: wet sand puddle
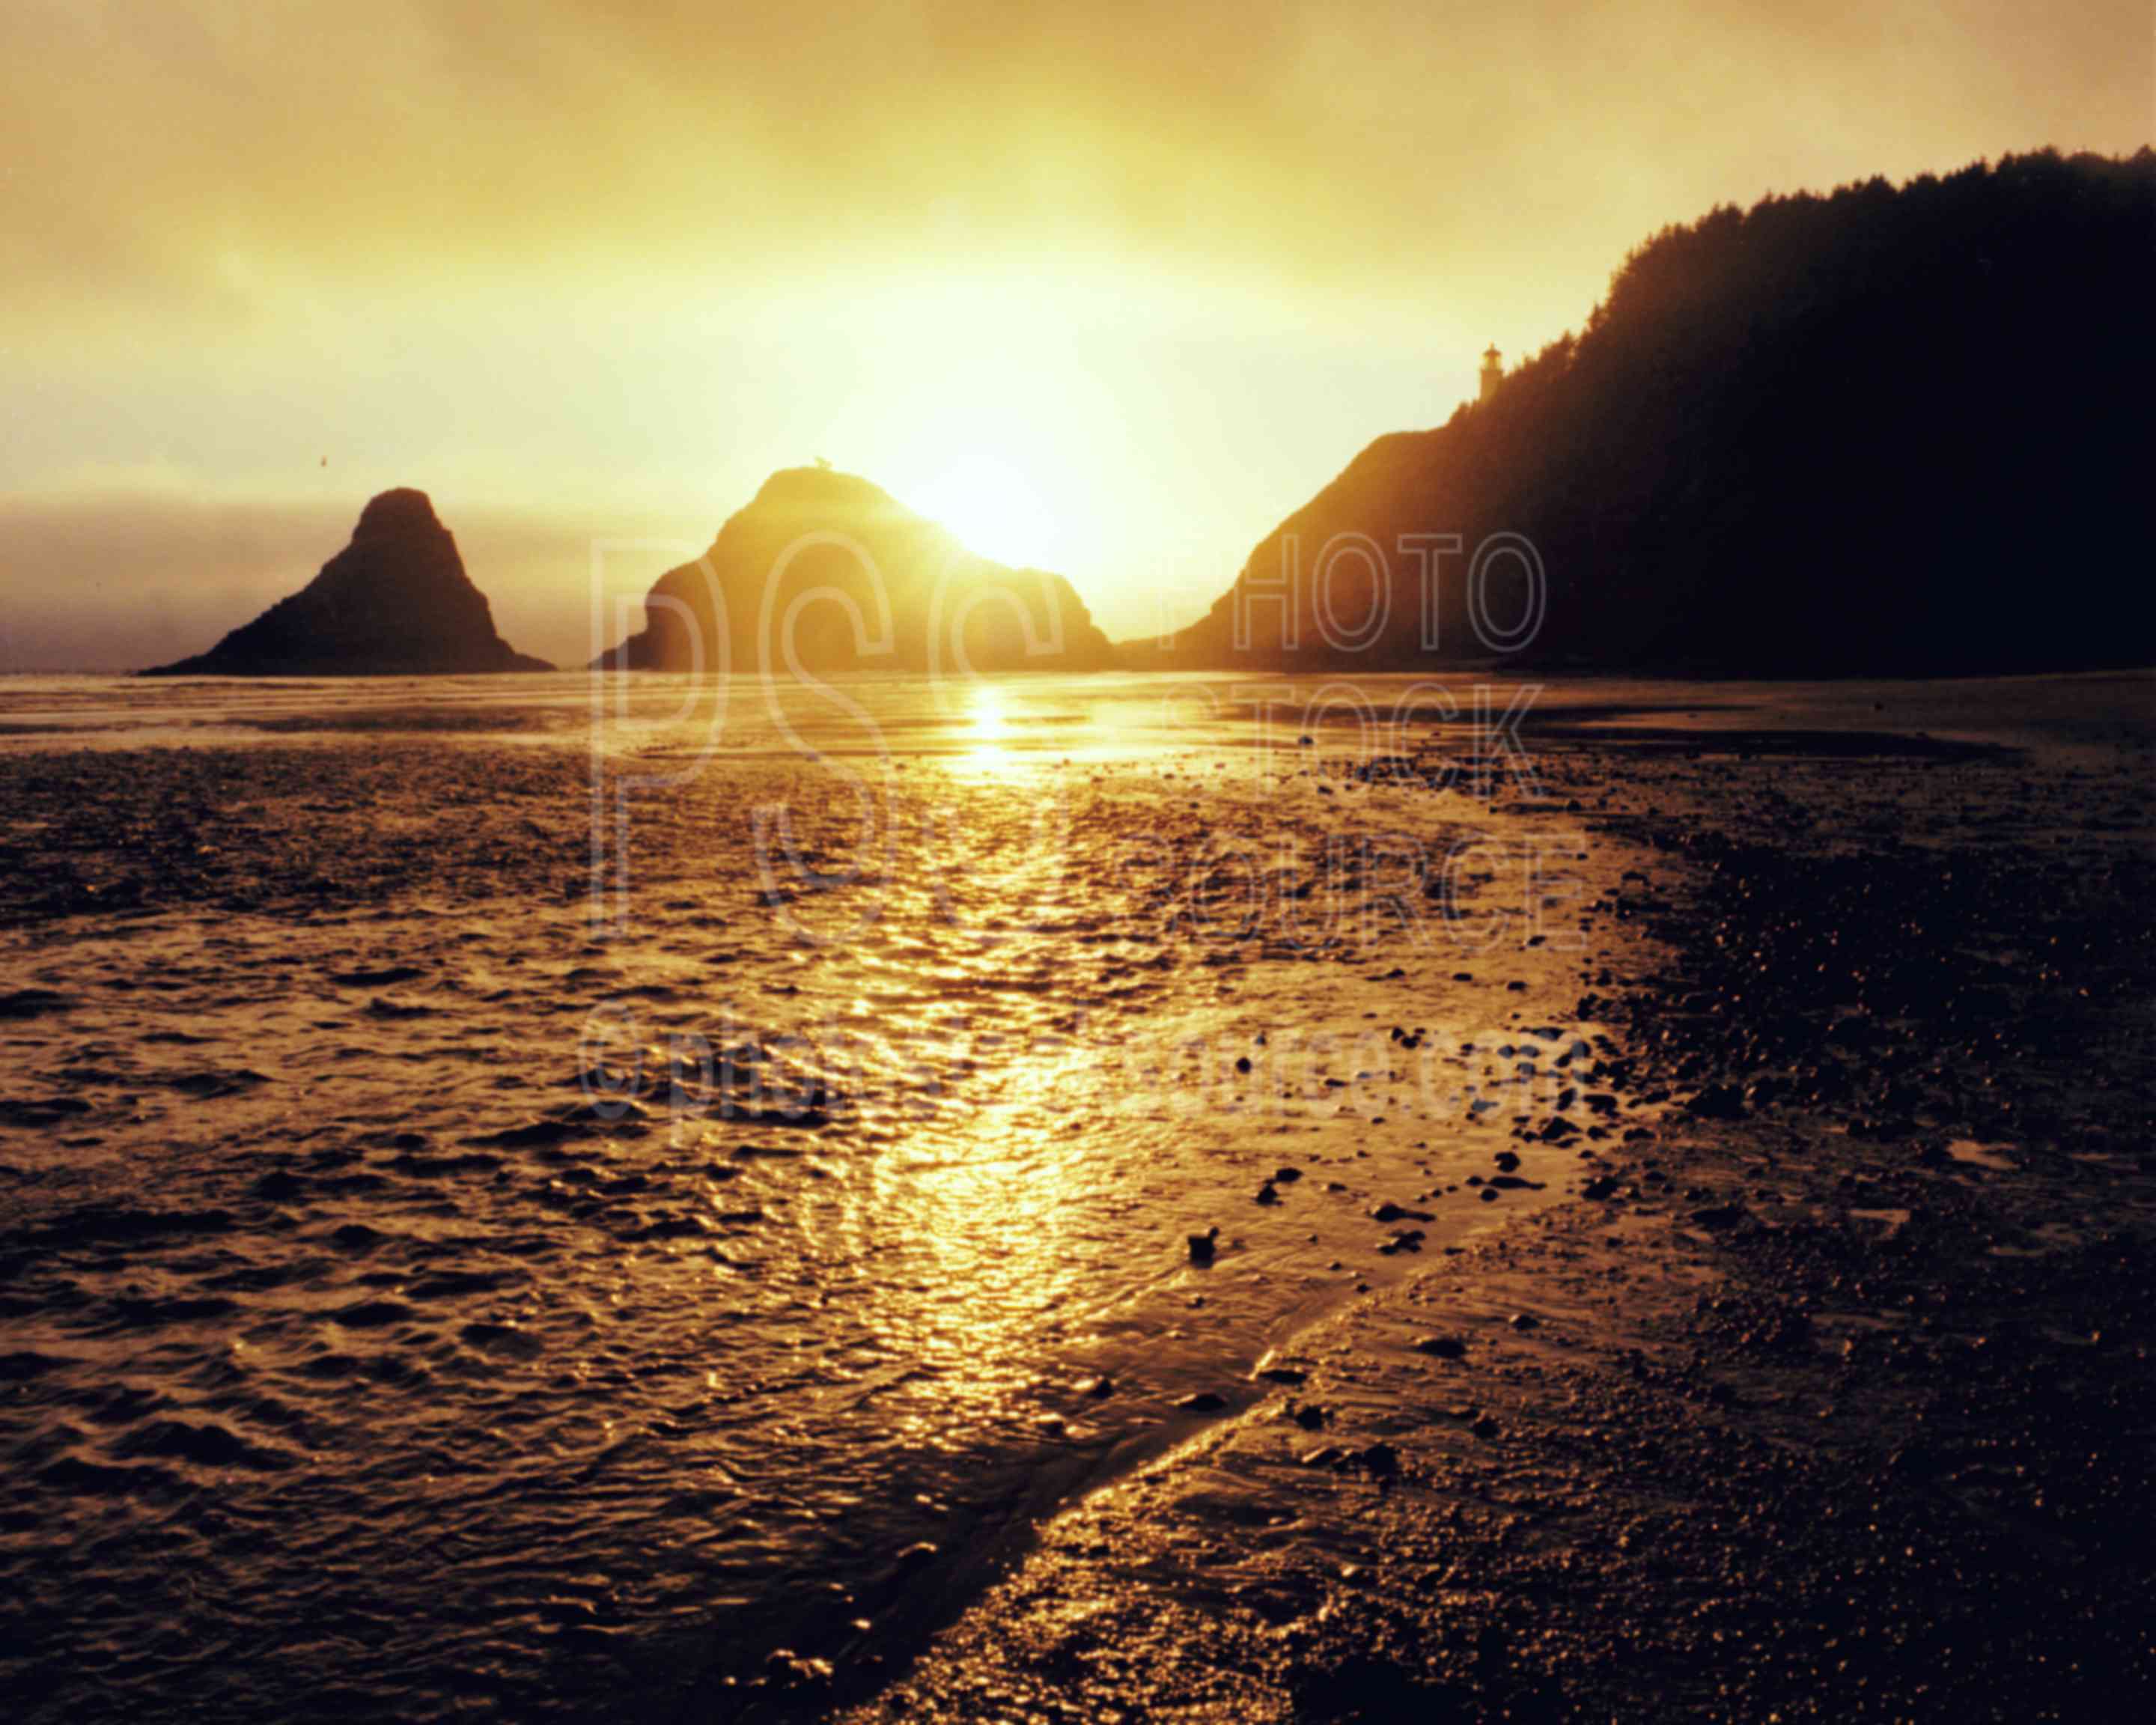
430,1287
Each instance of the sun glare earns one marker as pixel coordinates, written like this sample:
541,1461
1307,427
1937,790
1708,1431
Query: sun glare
992,510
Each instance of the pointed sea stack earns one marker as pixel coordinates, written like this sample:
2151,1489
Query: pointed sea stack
396,601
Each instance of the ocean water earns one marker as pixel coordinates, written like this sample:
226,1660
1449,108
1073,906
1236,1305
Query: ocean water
574,1199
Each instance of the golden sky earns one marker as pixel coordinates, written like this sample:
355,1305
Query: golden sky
1109,288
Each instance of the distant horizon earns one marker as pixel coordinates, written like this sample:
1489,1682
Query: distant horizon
538,567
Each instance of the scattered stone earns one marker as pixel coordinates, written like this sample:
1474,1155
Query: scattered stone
785,1669
1717,1101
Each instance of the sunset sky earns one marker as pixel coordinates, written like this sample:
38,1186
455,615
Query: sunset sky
1109,288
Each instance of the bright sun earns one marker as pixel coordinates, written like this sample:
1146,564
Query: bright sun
992,509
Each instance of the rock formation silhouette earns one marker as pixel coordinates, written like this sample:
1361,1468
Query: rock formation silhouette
395,602
825,571
1891,430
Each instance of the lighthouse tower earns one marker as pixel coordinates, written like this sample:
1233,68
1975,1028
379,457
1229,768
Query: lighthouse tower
1493,370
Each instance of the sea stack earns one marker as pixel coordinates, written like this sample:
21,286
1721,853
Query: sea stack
396,601
825,571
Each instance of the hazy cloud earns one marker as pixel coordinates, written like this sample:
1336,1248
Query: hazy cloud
1176,260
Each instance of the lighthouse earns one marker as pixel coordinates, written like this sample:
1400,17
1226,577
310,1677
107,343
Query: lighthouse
1493,370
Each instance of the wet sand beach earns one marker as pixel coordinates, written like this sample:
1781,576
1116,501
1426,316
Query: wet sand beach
1830,1399
505,1207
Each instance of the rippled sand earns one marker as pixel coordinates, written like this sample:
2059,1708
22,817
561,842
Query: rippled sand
515,1204
506,1204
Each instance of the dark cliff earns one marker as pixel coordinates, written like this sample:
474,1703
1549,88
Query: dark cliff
1891,430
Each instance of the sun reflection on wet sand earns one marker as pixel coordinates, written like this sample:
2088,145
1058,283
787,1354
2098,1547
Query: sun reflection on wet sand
790,1347
988,733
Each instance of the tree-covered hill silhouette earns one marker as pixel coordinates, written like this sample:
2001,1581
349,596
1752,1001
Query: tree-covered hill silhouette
1891,430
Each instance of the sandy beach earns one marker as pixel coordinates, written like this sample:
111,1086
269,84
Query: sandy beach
1590,1149
1829,1399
